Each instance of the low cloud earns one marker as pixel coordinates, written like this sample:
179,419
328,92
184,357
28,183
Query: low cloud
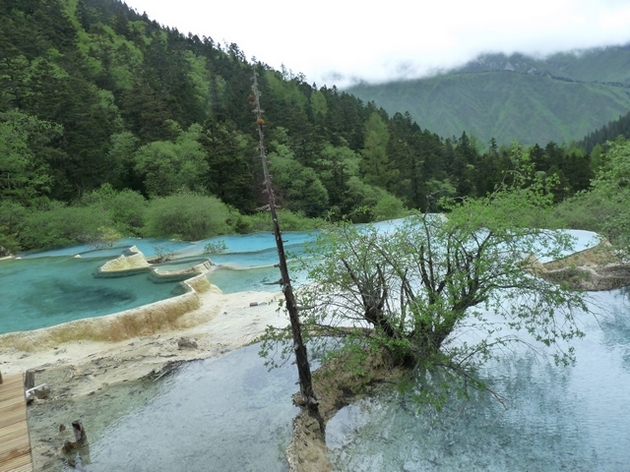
338,43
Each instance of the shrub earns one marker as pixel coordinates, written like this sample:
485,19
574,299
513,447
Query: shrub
12,217
215,248
127,212
122,211
289,221
59,226
187,216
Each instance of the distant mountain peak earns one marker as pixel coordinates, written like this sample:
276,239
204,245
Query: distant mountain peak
560,98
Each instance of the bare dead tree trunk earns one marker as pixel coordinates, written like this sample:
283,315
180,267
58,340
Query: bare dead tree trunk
304,371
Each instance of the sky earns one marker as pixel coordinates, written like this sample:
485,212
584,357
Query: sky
339,42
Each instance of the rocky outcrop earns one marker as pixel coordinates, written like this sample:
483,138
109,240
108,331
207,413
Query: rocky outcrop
335,386
134,261
126,264
594,269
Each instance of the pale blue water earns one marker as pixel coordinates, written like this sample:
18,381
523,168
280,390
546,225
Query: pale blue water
52,287
227,414
230,414
557,418
43,292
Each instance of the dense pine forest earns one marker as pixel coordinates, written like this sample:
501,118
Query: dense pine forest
113,125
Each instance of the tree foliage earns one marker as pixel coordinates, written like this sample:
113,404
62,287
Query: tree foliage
605,207
187,216
301,188
93,93
61,225
24,173
168,167
613,183
442,292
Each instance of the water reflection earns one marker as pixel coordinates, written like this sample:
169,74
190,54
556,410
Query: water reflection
557,418
46,287
615,325
233,414
53,287
226,414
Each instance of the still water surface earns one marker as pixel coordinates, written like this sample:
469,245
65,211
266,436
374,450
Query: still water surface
52,287
43,292
227,414
230,414
556,418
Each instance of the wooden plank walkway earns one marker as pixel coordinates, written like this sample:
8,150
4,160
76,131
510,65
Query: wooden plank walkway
15,445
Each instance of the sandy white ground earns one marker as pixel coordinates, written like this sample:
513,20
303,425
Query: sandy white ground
82,360
226,322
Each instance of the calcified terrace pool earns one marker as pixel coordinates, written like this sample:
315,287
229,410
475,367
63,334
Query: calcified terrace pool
574,418
48,288
53,287
236,416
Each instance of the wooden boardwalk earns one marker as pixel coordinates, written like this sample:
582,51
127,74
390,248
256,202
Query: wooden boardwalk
15,445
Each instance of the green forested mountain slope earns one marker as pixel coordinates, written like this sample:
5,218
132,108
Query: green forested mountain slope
560,99
609,132
91,92
610,64
111,124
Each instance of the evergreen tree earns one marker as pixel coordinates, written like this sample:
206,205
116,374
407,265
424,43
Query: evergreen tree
230,176
376,168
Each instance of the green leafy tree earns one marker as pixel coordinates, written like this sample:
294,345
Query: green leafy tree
441,293
335,166
228,154
370,203
113,59
145,112
405,150
88,116
299,187
12,217
13,81
375,166
187,216
24,174
611,188
319,107
603,208
167,167
463,166
60,225
121,211
121,161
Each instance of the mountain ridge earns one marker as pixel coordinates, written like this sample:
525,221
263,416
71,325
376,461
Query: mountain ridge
561,98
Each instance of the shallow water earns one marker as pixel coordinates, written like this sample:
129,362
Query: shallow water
44,292
225,414
231,414
52,287
557,418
